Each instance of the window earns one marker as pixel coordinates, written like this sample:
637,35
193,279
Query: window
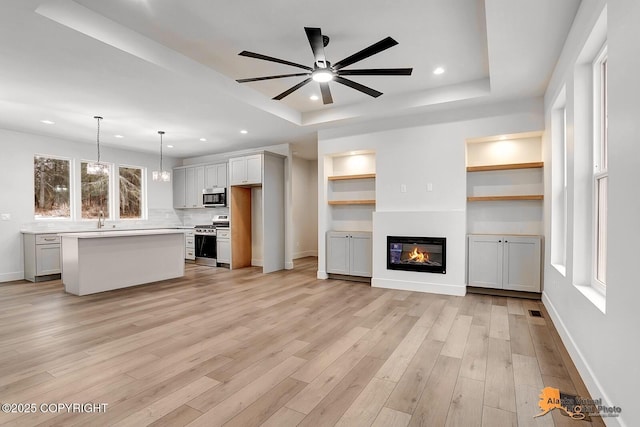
51,177
95,191
130,184
600,170
559,182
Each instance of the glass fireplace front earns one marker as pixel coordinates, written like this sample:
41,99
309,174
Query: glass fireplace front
425,254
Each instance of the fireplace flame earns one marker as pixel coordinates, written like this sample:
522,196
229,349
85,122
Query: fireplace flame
418,256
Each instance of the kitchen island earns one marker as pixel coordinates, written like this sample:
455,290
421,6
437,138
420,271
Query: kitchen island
101,261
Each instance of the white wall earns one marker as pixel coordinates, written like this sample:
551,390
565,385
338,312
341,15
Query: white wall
430,149
603,346
305,207
17,199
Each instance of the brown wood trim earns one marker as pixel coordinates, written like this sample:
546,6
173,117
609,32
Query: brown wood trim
241,227
499,198
343,177
509,166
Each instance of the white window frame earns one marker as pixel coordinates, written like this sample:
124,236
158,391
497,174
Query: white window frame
112,185
559,187
71,195
600,168
144,214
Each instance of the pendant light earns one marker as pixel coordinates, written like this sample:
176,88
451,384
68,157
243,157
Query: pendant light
161,175
97,168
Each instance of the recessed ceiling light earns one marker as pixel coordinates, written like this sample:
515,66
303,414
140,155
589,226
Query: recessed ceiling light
438,71
244,131
203,139
47,122
169,146
314,97
118,136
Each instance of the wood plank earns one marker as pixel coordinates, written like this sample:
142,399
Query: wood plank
499,323
502,198
499,391
284,417
493,417
390,418
521,342
433,406
506,166
353,202
466,407
457,340
547,353
178,417
346,177
474,360
364,410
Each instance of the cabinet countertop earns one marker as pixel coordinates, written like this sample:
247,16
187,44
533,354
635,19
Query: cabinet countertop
103,230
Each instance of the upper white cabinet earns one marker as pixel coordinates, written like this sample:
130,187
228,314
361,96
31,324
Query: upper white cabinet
215,175
188,183
246,170
505,262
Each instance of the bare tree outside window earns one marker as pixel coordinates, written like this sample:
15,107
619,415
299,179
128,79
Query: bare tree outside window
95,193
130,179
51,187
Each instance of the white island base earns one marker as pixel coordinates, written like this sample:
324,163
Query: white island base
106,260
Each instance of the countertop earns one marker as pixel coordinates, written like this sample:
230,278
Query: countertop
122,233
102,230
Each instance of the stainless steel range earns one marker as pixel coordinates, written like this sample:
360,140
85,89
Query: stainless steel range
205,240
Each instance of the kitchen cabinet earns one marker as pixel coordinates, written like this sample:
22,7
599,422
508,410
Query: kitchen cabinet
224,246
41,257
215,175
505,262
188,184
349,253
246,170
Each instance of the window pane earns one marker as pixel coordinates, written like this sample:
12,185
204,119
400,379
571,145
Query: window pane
601,232
95,193
51,187
130,192
605,119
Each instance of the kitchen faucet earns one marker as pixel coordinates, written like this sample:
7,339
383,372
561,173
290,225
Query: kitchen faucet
100,219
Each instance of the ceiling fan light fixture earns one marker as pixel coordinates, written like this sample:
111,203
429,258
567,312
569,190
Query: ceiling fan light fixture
322,75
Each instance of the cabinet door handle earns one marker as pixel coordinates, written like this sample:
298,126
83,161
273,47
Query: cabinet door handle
499,241
506,241
49,239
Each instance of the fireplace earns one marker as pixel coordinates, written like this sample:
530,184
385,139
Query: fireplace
424,254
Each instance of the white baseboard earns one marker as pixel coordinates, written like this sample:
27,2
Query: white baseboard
305,254
405,285
10,277
322,275
288,265
256,262
587,374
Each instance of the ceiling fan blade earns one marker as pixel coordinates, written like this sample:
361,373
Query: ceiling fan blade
326,93
256,79
317,45
272,59
357,86
377,72
292,89
366,52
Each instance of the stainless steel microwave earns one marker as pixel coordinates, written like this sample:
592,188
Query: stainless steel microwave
214,197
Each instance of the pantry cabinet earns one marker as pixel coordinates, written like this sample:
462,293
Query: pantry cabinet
508,262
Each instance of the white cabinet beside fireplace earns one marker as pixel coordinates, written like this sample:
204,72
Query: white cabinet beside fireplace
349,253
504,262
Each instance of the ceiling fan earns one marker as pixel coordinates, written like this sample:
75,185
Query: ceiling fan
323,71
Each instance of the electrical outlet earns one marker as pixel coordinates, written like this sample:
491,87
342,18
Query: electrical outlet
429,186
5,217
403,188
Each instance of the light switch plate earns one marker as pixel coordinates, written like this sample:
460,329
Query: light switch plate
403,188
5,217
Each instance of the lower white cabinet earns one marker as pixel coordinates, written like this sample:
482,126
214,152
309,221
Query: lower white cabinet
189,246
349,253
505,262
223,249
41,256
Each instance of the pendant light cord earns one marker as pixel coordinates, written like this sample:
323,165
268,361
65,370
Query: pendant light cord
98,136
161,132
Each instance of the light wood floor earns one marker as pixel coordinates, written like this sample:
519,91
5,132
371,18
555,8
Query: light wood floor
240,348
